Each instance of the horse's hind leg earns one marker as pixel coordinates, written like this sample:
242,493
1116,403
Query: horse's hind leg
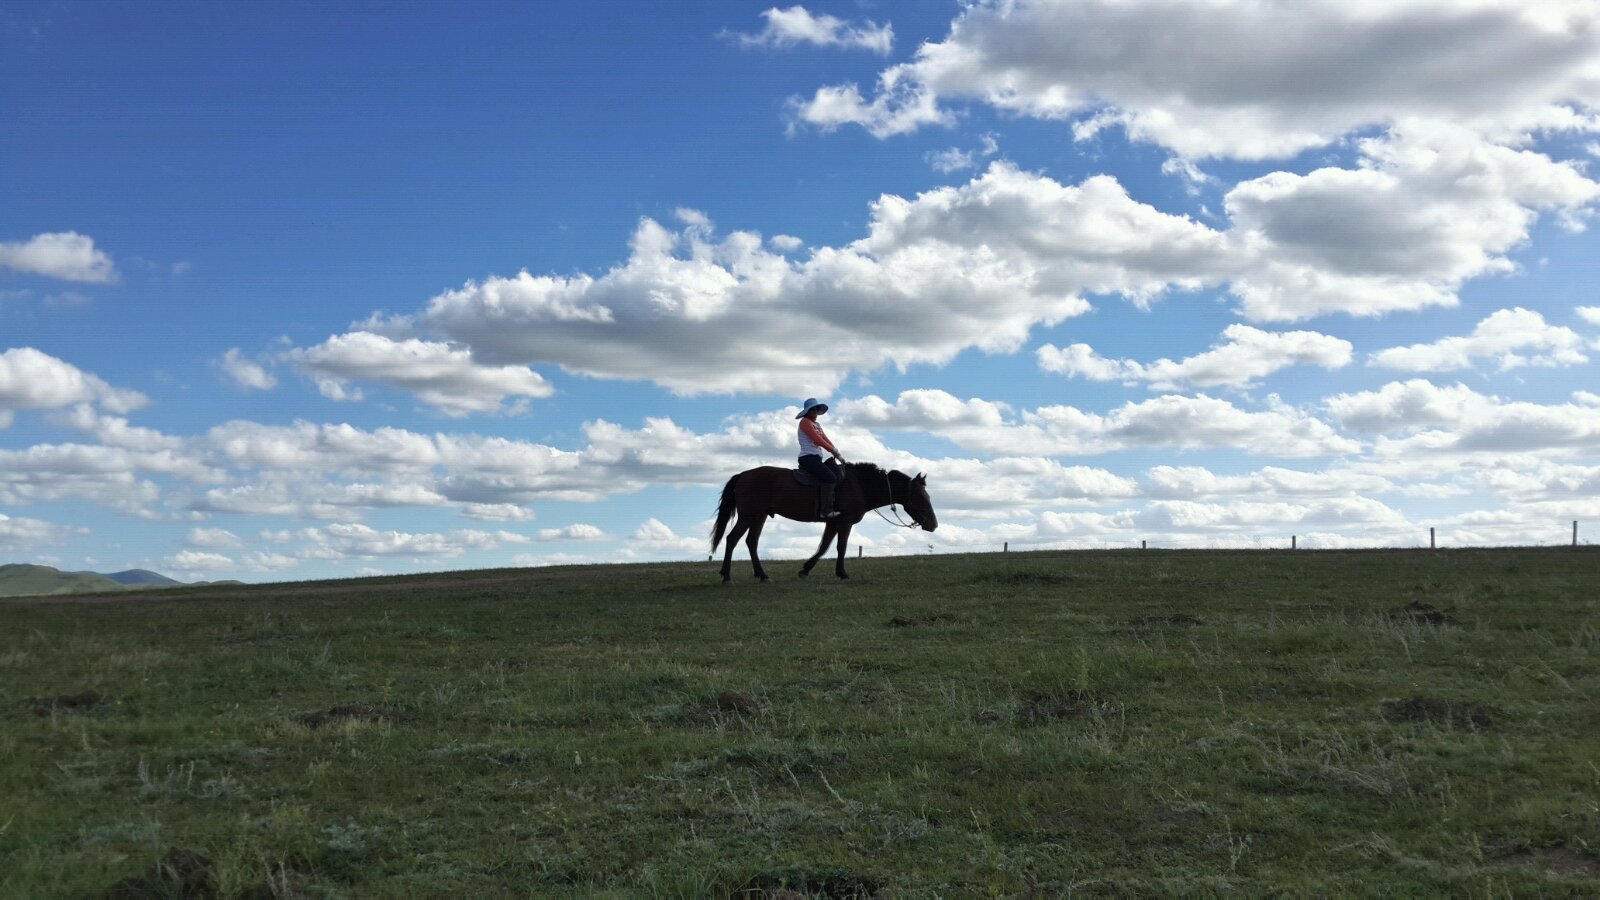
827,538
752,540
739,529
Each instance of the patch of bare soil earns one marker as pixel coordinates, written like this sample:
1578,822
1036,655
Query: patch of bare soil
1459,714
917,622
791,885
1042,709
737,702
334,715
44,706
1562,861
1419,613
181,873
1173,619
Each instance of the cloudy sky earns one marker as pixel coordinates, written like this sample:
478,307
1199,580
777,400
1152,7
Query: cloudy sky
294,290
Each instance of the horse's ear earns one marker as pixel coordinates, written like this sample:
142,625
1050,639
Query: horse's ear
921,478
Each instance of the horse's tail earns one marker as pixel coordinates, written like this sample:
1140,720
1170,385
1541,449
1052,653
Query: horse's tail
724,513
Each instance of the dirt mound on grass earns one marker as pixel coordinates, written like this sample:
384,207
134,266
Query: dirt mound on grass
43,706
1460,714
1042,709
349,712
1419,613
737,702
181,873
790,885
1173,619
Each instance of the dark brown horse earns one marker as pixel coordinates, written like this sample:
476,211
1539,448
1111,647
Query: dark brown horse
757,494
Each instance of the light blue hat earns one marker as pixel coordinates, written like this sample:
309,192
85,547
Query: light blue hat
810,404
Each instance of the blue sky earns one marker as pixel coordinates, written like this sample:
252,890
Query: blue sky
1198,274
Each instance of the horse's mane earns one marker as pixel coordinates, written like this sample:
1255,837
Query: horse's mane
871,470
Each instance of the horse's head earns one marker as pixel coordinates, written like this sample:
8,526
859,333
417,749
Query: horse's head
918,504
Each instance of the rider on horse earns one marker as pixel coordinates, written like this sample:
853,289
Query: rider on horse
812,443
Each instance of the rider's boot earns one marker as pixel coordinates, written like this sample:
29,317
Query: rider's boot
827,511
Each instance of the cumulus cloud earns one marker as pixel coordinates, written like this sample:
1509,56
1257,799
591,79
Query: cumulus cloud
974,266
342,540
199,561
1427,208
1590,314
1509,338
30,379
575,532
1196,482
797,25
1171,421
1246,354
1171,74
213,538
65,255
21,534
444,377
1436,420
246,373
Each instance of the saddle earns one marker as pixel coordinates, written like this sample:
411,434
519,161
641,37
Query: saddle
801,476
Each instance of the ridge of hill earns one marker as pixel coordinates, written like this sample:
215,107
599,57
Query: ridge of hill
25,579
139,577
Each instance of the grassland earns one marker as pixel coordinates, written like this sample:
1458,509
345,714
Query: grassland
1100,723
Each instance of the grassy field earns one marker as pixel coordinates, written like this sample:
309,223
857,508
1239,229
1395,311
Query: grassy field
1116,722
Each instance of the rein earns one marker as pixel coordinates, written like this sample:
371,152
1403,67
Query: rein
901,522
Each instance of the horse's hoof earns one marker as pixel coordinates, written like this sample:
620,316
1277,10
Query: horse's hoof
727,582
803,573
843,577
765,580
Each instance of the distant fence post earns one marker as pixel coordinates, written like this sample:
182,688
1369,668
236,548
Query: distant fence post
1431,545
859,548
1294,542
1006,547
1144,545
1574,532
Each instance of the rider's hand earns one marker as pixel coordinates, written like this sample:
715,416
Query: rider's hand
839,456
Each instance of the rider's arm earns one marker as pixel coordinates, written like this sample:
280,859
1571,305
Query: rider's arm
814,431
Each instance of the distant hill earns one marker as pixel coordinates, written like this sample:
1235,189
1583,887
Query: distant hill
139,577
22,579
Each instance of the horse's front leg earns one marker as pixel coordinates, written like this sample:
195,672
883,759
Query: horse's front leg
751,541
827,538
844,539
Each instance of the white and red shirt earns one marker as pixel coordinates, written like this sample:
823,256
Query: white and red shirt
812,440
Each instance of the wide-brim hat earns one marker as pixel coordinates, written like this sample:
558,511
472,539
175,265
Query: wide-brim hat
810,404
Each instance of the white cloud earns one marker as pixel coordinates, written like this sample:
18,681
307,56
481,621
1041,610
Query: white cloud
30,379
959,267
198,561
344,540
786,243
20,534
1247,354
576,532
1173,74
214,538
1194,482
1590,314
797,25
1171,421
952,159
442,376
1505,338
1457,420
245,373
66,255
1427,208
497,512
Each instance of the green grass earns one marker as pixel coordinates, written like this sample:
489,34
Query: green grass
1209,723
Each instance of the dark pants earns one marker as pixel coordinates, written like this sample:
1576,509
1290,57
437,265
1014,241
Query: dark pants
813,466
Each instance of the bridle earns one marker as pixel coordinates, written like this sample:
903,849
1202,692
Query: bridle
901,522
